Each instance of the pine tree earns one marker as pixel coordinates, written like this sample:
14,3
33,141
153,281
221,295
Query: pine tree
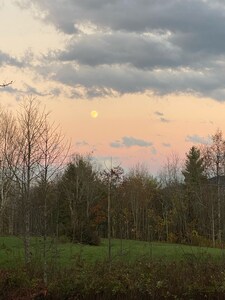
194,178
194,168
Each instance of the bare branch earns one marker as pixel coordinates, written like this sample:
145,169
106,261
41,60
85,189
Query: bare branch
6,84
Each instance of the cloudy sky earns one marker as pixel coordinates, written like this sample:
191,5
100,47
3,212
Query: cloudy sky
153,70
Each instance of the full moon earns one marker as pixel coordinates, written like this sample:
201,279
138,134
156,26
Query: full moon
94,114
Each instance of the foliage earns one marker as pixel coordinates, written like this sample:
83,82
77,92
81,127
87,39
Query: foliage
143,279
86,235
142,271
194,168
194,181
78,191
68,210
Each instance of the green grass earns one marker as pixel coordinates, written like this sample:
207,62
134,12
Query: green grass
11,251
132,250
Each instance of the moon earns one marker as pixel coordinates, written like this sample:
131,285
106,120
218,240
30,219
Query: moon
94,114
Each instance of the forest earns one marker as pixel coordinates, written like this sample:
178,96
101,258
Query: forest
47,193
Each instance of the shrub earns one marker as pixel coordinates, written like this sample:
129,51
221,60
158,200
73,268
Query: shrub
64,239
143,279
89,236
85,234
198,240
172,238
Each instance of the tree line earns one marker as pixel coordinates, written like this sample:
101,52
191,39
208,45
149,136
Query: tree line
44,193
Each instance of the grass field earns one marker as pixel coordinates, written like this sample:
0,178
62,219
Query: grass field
11,251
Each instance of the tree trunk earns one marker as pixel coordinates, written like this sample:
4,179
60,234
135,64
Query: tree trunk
213,226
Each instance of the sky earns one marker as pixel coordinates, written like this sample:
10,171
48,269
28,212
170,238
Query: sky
153,70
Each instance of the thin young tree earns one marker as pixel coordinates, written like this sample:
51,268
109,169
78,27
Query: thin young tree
79,188
194,178
214,159
112,177
53,154
8,131
25,157
172,197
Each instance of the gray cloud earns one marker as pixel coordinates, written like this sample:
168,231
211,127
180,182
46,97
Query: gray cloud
116,145
107,80
134,46
33,91
10,90
130,142
55,92
167,145
153,151
132,15
196,139
6,59
81,143
139,51
164,120
158,113
25,90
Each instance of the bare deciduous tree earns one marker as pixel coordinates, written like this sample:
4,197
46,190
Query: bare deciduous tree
53,154
8,129
24,157
214,158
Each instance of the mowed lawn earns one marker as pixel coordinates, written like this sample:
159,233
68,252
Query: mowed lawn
65,254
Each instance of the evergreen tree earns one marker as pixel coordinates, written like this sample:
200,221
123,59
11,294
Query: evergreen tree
194,168
194,179
79,192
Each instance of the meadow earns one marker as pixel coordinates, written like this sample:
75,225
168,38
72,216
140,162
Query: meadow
12,252
137,270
